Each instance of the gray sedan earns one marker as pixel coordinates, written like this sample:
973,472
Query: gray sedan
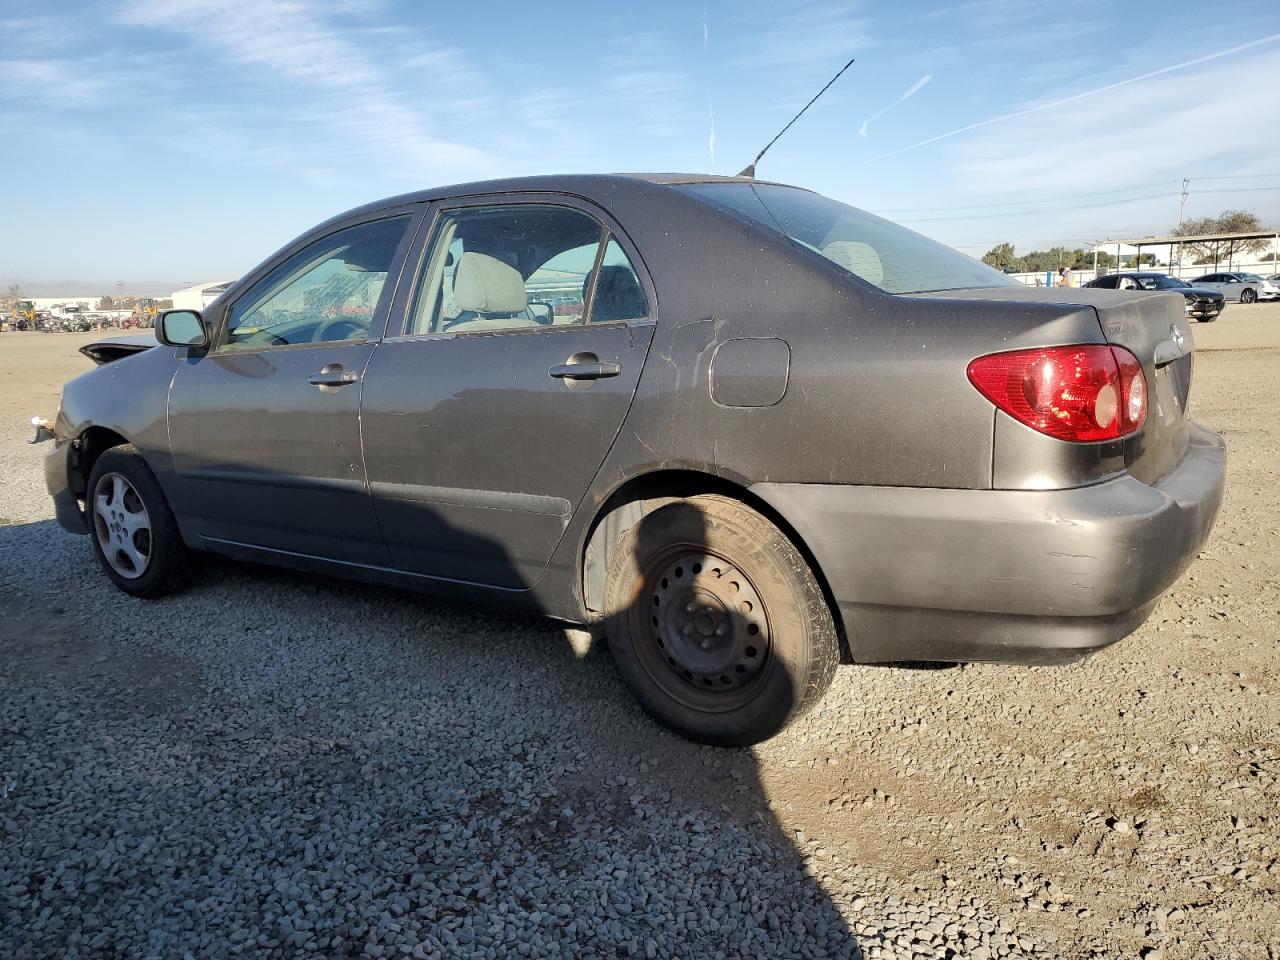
741,429
1244,287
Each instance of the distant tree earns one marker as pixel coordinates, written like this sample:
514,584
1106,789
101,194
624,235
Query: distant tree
1056,257
165,304
1105,260
106,303
1002,257
1145,260
1215,251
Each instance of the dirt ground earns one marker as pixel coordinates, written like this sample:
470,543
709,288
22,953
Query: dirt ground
1128,806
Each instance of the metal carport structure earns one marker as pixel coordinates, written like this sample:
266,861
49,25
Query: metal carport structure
1175,244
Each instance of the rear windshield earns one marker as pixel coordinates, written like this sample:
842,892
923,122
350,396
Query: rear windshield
1159,282
882,253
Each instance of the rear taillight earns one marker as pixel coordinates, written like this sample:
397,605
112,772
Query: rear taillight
1081,393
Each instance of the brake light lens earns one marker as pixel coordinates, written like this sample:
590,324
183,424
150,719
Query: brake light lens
1083,393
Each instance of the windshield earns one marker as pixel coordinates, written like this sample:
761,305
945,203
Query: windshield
1160,282
882,253
1249,277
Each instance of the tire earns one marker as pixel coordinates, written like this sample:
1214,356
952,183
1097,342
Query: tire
133,531
1248,296
716,623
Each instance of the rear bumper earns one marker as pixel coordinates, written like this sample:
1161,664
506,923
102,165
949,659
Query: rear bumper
1006,575
56,472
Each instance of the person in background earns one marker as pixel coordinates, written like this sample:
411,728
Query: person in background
1063,278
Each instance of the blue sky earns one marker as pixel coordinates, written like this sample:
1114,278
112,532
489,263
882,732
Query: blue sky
163,141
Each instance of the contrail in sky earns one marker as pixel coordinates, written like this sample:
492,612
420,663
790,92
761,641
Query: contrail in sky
711,140
911,91
1270,38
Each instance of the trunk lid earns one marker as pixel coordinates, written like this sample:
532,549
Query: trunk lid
1152,325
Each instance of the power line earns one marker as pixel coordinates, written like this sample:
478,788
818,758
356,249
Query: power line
1026,211
1072,200
1242,176
1008,203
1023,213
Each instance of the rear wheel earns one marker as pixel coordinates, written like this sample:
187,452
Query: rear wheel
1248,296
134,534
716,622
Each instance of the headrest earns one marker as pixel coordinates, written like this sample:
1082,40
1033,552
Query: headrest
483,284
618,296
858,258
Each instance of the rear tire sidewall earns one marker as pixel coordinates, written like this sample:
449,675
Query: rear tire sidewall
803,644
168,553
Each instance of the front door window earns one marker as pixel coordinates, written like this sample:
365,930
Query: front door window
327,292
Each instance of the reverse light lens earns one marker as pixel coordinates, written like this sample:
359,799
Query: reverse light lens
1082,393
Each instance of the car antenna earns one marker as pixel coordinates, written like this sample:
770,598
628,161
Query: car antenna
750,169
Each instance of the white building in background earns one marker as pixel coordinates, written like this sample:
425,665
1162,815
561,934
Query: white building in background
199,296
57,305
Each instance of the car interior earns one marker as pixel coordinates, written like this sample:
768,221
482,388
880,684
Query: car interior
503,268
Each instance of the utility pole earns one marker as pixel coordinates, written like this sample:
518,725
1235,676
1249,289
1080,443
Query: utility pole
1182,202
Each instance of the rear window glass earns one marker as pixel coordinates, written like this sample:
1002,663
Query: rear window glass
883,254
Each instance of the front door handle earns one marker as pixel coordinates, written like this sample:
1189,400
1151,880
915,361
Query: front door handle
585,366
332,375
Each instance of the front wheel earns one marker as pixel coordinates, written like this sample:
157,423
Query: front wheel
1248,296
134,534
716,623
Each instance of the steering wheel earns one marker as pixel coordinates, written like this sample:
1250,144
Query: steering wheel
324,331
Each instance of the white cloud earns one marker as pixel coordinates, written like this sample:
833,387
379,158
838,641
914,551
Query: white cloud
797,41
1200,123
59,84
1087,94
308,47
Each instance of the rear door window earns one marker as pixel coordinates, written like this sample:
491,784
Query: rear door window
522,266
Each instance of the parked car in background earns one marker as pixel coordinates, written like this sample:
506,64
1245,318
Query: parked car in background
1245,287
771,430
1201,304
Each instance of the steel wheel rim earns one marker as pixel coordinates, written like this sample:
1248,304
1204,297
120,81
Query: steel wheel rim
706,637
122,526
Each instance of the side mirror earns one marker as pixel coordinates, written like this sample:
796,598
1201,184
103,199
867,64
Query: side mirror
181,328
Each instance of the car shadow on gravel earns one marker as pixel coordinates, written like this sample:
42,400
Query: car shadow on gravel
345,770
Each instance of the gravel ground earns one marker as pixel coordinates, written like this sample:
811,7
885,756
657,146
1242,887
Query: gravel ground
282,766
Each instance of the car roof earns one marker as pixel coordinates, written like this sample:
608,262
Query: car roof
587,185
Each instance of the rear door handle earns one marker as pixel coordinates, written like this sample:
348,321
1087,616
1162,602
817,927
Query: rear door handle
586,369
332,376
